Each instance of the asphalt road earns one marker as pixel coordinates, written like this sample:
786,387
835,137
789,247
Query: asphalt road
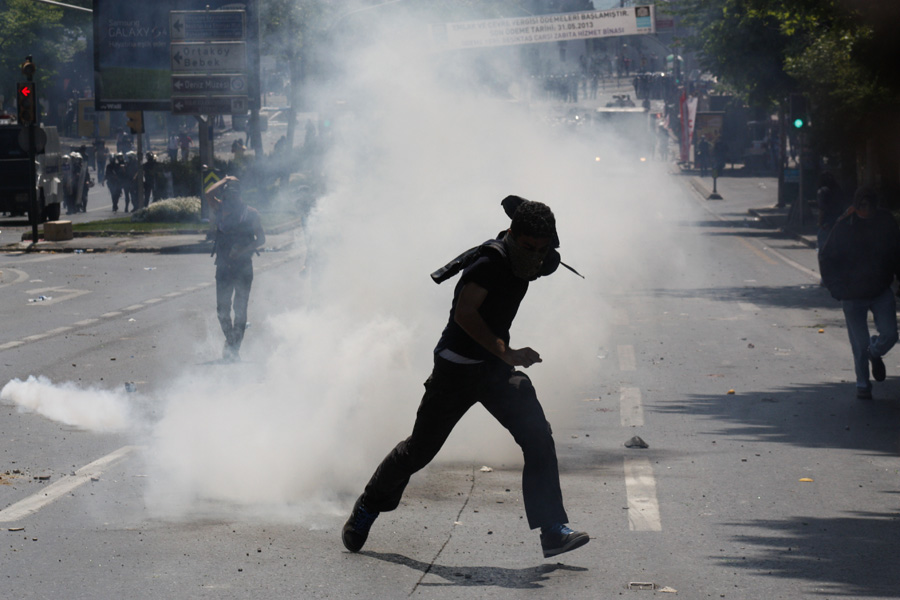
764,476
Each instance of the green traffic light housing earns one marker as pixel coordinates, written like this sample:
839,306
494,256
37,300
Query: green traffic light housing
799,114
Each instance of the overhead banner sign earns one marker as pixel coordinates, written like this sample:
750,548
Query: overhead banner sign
133,61
535,29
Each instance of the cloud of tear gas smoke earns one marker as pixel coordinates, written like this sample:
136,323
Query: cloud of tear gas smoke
420,160
91,408
418,167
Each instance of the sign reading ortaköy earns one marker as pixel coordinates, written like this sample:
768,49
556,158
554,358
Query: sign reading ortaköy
211,57
631,20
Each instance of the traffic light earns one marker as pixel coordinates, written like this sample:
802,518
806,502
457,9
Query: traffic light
27,103
799,116
135,121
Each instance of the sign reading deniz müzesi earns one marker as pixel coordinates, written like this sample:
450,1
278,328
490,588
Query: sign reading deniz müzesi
133,60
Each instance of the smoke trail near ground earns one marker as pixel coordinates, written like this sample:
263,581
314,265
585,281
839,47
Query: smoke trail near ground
89,408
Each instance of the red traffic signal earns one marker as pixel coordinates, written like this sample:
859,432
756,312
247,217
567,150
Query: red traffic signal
26,98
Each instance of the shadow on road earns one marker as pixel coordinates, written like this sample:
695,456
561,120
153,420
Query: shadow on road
803,296
847,556
825,415
524,579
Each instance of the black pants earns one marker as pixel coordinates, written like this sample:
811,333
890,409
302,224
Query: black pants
450,391
233,280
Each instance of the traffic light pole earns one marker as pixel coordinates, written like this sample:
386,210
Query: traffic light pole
28,70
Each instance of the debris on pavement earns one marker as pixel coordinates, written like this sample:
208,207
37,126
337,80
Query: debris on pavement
636,442
805,479
485,469
40,299
130,386
731,392
641,585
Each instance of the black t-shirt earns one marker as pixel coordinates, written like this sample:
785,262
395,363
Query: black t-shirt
504,294
236,230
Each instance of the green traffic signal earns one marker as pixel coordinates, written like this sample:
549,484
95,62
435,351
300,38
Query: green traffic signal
799,123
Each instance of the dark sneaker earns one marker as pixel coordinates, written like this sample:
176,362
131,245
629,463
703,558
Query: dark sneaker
559,538
863,394
356,529
878,370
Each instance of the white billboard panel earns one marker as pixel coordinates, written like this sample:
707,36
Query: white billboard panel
630,20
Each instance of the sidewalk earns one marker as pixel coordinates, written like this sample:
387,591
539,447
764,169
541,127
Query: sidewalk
278,238
758,196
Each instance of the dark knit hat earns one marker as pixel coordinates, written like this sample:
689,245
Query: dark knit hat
530,218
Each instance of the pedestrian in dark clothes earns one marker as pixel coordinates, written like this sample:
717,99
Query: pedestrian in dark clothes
474,362
239,234
859,262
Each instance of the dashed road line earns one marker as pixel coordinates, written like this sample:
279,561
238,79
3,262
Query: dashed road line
116,313
630,410
66,485
640,486
640,482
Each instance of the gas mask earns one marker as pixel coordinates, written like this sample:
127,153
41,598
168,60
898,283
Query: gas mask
526,264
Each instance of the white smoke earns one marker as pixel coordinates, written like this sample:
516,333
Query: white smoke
419,165
89,408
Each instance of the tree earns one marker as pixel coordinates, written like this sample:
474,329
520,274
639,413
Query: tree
33,28
835,52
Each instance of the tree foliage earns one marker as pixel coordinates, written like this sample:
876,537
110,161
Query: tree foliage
39,30
833,51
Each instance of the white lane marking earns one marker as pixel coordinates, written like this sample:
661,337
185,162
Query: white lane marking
626,357
73,293
40,336
35,259
748,306
54,491
20,276
640,486
630,410
60,294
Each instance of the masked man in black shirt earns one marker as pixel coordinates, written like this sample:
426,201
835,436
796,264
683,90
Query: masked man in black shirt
238,235
474,362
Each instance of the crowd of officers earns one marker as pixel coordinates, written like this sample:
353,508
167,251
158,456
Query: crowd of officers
120,172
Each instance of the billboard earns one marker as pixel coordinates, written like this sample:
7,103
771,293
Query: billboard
630,20
132,59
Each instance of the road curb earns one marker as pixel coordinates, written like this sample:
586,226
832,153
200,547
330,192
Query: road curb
759,213
132,243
